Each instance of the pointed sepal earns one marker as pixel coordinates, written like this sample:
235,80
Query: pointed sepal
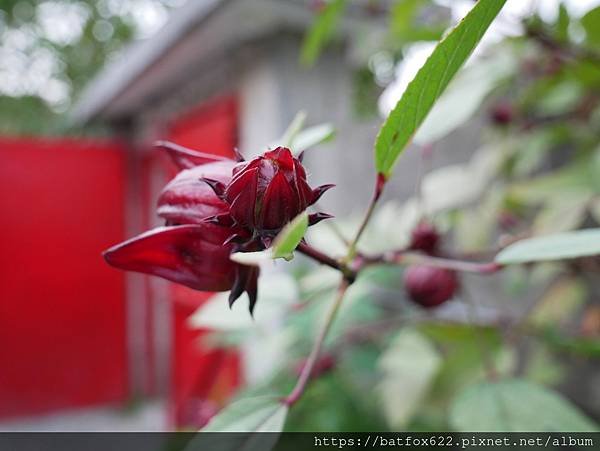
319,191
185,158
315,218
217,187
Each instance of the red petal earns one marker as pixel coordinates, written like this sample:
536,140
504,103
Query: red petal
279,205
241,196
184,254
189,200
282,156
185,158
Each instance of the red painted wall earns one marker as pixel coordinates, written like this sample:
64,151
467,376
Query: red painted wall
62,309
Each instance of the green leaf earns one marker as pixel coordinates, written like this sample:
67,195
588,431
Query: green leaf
560,302
299,140
430,82
321,31
409,366
591,24
277,291
283,245
581,243
311,137
562,213
293,129
252,416
406,26
515,406
260,414
289,238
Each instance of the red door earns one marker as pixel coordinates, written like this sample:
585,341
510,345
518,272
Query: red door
203,379
62,309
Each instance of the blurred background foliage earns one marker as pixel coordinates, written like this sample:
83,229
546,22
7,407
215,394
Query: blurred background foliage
49,51
517,351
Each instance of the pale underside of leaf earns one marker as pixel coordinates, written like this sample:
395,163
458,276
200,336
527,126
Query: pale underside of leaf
409,366
580,243
515,406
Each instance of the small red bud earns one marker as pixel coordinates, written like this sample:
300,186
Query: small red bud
502,114
507,220
429,286
269,191
317,6
424,238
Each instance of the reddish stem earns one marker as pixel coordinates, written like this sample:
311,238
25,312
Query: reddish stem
308,368
410,258
325,259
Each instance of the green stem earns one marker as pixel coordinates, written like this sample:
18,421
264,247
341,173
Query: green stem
298,390
379,185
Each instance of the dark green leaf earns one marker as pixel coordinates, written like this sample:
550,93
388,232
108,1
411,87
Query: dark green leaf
430,82
591,23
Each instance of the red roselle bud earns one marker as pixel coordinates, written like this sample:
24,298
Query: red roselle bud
429,286
502,113
268,192
425,238
191,249
507,220
214,207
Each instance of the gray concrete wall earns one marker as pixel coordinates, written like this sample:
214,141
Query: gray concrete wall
274,88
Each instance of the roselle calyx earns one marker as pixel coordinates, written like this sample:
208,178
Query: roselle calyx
214,207
191,249
429,286
267,192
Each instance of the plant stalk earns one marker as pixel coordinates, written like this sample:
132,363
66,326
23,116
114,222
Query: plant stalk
307,370
379,185
326,260
413,258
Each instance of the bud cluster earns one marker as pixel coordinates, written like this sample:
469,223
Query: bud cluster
214,207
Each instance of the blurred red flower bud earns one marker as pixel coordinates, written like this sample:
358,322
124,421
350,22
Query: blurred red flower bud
317,6
268,192
429,286
502,113
424,238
